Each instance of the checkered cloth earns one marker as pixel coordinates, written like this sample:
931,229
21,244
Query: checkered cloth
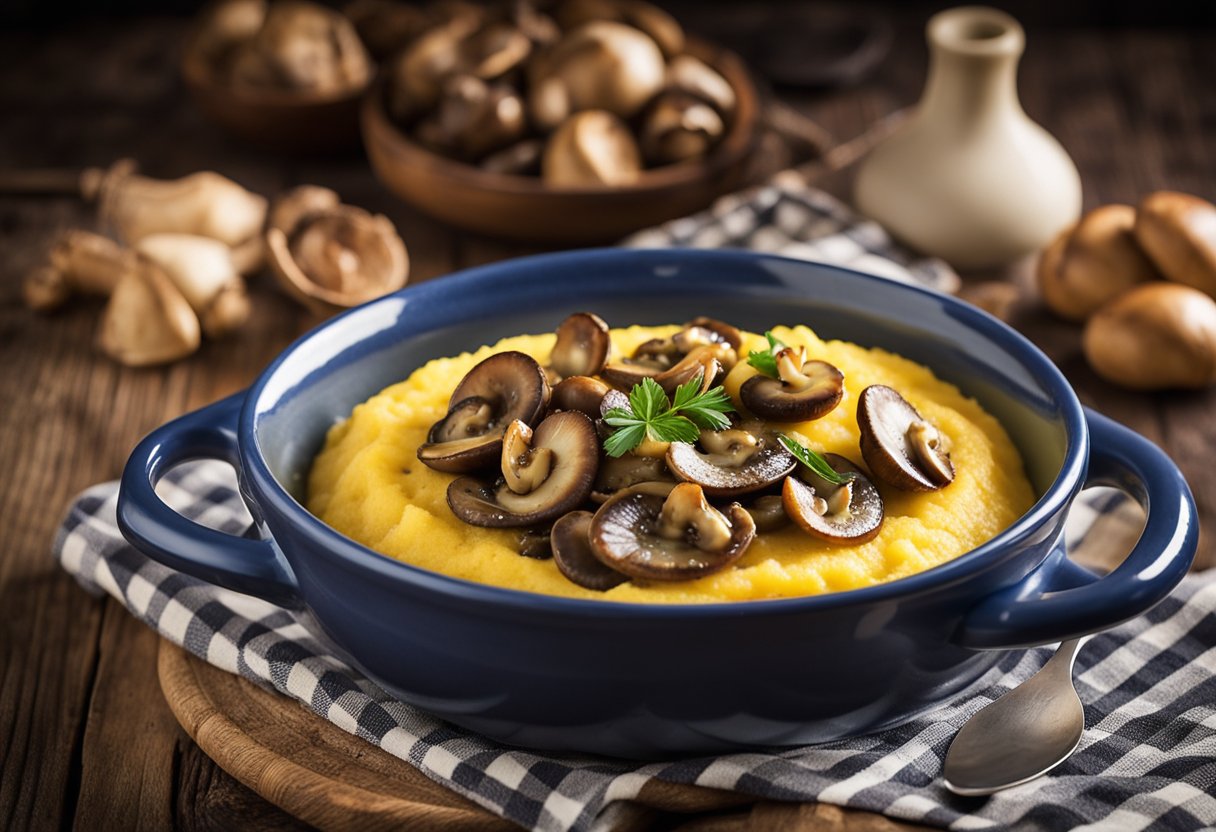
787,216
1147,760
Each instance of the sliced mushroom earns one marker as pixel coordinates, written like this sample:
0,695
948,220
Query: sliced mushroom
768,513
849,513
725,333
899,445
570,541
702,362
582,345
678,537
676,360
735,461
590,149
331,256
804,390
536,543
581,393
619,472
545,476
505,387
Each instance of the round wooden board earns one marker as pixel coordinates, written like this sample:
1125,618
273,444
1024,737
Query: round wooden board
317,772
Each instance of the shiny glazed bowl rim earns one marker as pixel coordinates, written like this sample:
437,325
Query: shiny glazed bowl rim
270,493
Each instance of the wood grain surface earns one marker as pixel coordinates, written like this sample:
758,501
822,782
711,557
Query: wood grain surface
86,739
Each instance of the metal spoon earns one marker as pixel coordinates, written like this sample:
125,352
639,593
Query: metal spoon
1023,735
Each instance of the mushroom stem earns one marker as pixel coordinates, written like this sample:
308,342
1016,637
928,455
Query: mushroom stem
524,468
688,515
79,262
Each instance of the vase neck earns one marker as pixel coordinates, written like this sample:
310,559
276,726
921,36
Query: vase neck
973,65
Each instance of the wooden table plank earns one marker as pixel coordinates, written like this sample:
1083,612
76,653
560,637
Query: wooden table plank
1135,108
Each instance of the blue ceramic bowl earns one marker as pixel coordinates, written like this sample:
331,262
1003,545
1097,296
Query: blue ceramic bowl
640,680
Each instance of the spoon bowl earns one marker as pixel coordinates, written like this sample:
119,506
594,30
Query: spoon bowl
1022,735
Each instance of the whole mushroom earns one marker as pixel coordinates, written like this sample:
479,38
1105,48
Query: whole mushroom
1178,233
1156,336
677,128
601,65
591,149
1091,262
331,256
147,320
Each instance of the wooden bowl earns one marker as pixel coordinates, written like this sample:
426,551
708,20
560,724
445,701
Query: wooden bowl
524,208
282,120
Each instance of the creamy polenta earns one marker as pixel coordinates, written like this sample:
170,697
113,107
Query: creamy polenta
368,484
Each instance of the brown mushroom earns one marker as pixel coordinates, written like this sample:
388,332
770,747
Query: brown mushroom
602,65
546,473
721,330
768,513
519,159
678,128
1178,233
79,262
331,256
536,543
582,345
473,118
619,472
302,46
581,393
738,460
570,541
501,389
900,447
591,149
1154,337
421,68
678,537
147,320
674,361
849,513
651,19
695,77
1091,262
803,390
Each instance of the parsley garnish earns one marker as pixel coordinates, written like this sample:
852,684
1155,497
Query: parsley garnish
814,461
652,415
766,360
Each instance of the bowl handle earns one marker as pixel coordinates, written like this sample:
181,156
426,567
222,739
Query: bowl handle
252,566
1125,460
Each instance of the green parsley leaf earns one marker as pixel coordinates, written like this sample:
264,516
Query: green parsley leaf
766,360
652,415
814,461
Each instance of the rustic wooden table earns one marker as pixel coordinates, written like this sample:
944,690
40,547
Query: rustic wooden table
85,736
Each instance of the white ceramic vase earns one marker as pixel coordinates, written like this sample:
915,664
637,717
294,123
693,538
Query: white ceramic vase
970,178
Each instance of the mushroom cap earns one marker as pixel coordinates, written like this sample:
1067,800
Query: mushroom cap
147,320
1178,233
767,465
1091,262
604,65
582,345
624,537
591,149
885,419
570,541
513,385
679,127
571,438
695,77
1156,336
863,519
581,393
773,399
335,257
619,472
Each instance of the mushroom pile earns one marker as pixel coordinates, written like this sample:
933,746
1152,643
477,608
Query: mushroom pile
586,93
176,270
289,47
1142,279
641,468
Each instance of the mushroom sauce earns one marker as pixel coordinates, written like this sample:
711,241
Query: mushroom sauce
676,464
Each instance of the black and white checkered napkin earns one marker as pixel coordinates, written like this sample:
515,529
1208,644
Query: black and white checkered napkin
1147,760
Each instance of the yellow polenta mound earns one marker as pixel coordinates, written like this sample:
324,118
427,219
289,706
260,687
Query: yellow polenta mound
368,484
